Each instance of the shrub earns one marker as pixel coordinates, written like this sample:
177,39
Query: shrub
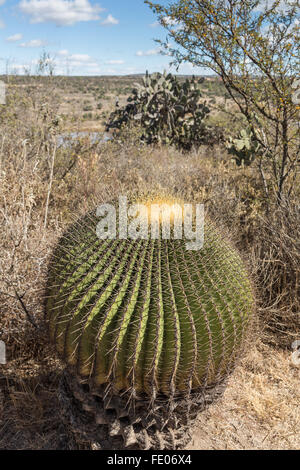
167,110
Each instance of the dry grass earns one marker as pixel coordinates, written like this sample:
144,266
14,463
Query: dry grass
277,258
261,406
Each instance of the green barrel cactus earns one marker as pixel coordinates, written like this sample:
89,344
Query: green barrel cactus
147,317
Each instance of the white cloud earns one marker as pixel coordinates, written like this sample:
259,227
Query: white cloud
110,20
19,67
33,43
2,2
283,5
63,52
155,24
60,12
80,57
148,53
77,62
115,62
110,72
14,38
169,22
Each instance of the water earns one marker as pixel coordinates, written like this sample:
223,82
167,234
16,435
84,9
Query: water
69,138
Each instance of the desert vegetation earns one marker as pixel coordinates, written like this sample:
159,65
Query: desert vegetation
239,157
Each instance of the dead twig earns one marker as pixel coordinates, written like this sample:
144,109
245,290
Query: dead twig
20,299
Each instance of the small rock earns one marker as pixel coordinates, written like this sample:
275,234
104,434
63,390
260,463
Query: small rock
129,436
115,428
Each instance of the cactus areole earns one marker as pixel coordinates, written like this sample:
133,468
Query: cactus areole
147,315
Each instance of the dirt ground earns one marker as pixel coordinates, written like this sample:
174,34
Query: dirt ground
259,409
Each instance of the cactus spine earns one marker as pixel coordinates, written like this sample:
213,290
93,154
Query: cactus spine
147,317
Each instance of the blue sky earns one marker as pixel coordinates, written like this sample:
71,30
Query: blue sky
86,37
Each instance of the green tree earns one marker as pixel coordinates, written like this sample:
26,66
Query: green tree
254,47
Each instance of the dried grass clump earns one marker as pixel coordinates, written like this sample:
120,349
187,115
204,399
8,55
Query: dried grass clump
259,409
276,252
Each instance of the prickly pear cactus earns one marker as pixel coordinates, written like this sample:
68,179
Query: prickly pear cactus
247,146
168,110
147,324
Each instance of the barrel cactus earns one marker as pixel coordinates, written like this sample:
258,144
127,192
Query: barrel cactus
148,329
